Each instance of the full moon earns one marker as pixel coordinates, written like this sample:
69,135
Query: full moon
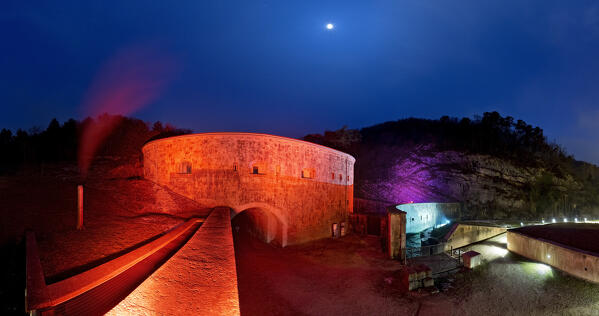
330,26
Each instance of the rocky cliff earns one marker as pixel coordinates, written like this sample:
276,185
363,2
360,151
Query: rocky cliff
516,182
487,186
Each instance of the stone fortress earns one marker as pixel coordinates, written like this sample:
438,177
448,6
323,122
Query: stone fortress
293,191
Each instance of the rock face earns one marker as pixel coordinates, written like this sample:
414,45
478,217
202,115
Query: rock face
496,167
486,186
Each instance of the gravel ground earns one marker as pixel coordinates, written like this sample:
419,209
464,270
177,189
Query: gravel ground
513,285
347,276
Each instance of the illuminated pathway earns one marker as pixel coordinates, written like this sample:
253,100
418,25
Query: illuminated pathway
200,279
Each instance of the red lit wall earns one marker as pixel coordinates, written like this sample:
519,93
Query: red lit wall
301,187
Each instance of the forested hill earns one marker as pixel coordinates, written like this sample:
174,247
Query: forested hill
498,167
60,142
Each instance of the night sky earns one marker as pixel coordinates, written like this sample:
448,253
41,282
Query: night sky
272,66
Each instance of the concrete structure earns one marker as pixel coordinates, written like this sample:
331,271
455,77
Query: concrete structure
471,259
412,277
367,224
396,234
462,235
421,216
294,190
547,244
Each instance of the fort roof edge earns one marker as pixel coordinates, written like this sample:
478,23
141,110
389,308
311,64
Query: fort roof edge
251,134
555,243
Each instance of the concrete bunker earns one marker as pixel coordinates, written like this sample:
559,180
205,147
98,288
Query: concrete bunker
569,247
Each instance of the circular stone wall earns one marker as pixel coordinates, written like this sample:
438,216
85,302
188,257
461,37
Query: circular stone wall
298,189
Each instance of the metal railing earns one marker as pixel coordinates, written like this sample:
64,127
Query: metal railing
431,250
440,267
425,251
456,254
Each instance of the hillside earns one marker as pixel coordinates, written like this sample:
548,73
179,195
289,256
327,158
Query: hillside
495,167
59,143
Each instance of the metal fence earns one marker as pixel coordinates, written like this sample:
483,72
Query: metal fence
425,251
431,250
441,267
456,254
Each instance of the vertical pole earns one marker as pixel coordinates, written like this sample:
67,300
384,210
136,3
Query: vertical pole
389,240
80,207
404,240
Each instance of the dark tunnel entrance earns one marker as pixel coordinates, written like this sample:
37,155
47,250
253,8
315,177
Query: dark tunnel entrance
257,224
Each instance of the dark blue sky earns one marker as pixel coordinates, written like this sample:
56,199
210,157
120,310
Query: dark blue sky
271,66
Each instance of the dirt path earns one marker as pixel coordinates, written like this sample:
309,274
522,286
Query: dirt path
329,277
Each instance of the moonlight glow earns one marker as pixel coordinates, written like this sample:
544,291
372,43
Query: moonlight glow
330,26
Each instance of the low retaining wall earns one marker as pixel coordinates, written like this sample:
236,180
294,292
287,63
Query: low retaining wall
579,263
464,234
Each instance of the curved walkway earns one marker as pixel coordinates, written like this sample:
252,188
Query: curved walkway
200,279
165,276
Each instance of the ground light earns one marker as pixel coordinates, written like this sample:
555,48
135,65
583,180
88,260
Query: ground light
565,220
543,269
553,220
576,220
498,251
521,224
543,221
444,223
539,269
585,219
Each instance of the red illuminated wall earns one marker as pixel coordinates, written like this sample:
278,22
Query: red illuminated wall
301,188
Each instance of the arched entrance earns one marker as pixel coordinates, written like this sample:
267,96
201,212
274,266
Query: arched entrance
261,223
